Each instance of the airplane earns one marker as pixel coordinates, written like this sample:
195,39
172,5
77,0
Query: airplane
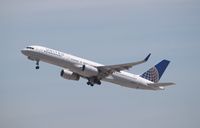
75,68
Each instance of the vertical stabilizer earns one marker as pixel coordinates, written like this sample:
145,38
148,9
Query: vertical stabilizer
155,73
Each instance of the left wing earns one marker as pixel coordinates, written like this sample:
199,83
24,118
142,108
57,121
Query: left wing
108,70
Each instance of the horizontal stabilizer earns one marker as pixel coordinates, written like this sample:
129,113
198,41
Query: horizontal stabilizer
161,84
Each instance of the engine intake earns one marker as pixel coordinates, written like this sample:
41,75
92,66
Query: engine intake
69,75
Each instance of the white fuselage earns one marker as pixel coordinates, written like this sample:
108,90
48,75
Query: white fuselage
73,63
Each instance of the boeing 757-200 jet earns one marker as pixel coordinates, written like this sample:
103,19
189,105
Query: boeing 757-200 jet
75,67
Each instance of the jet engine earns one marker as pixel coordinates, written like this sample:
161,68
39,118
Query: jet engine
69,75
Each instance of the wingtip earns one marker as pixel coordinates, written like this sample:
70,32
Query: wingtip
147,57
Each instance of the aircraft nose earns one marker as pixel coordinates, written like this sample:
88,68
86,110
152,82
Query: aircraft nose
23,51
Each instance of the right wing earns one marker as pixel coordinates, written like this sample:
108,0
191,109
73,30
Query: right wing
108,70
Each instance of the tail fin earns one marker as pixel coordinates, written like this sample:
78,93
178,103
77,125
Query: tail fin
154,74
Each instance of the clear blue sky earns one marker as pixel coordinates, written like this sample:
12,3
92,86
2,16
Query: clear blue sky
109,32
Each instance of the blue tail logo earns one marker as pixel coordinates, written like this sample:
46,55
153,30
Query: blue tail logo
155,73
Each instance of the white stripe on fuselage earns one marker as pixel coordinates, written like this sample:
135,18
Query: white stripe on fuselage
72,62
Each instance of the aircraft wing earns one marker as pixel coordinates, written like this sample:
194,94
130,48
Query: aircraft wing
108,70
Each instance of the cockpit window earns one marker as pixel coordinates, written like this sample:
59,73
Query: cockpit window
29,47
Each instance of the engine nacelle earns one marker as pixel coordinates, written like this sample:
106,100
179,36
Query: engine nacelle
89,70
69,75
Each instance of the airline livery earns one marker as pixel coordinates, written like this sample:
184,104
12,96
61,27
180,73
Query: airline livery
75,67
